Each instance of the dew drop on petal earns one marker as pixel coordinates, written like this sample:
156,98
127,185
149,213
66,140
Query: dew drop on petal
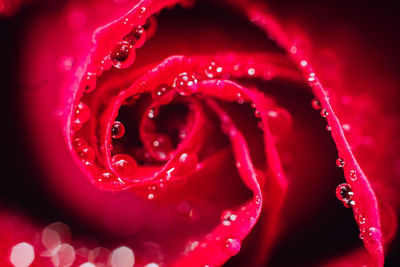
161,91
87,264
81,113
124,165
324,113
152,264
136,37
122,257
353,175
117,130
90,82
340,162
361,219
328,127
316,104
106,177
152,113
251,71
231,246
185,84
22,254
123,55
213,70
239,98
86,154
227,217
345,194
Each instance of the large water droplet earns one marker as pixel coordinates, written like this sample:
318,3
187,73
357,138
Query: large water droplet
124,165
123,55
231,246
185,84
86,154
345,194
213,70
117,130
81,113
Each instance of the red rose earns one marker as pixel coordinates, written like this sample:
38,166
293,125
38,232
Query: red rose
182,143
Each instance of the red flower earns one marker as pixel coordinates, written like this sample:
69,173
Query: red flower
184,143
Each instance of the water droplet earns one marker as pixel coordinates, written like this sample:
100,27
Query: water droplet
316,104
239,98
345,194
231,246
153,112
213,70
150,196
124,165
257,113
340,162
90,82
162,146
311,77
185,84
324,113
86,154
105,64
160,91
227,217
136,37
152,264
353,175
81,113
293,50
360,219
303,63
117,130
251,71
123,55
328,127
106,177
